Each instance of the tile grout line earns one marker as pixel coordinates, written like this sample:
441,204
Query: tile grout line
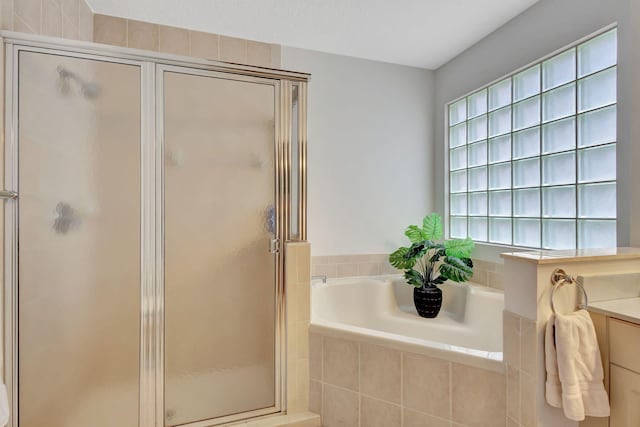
450,393
321,376
402,388
359,390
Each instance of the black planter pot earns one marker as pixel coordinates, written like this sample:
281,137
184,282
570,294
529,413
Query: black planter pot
427,301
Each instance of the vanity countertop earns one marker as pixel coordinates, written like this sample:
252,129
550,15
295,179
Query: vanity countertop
575,255
624,309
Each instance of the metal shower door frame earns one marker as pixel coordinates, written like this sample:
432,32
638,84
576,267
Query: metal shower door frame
280,227
152,64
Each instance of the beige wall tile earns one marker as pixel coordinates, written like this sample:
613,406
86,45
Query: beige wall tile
359,258
340,407
173,40
479,276
304,263
29,11
486,265
303,302
386,268
511,338
21,26
368,269
204,45
315,396
292,303
143,35
341,259
71,9
594,422
380,372
302,340
258,53
69,29
376,413
85,22
302,385
346,270
478,396
110,30
315,356
528,347
290,265
425,384
379,258
340,362
328,270
51,18
317,260
527,401
6,15
495,280
293,401
233,50
513,393
276,56
417,419
512,423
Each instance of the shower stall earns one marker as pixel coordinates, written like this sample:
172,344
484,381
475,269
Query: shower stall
146,199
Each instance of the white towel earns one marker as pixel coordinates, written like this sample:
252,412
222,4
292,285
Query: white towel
553,390
571,338
4,406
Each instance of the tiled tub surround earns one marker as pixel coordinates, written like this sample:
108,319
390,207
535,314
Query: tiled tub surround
365,377
519,340
354,383
484,273
381,310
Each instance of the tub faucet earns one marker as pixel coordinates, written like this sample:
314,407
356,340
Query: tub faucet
323,278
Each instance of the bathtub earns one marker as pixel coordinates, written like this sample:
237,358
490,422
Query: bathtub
379,310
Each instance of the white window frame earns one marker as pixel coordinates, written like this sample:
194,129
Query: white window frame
540,155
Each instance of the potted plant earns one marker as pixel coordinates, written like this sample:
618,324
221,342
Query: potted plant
429,262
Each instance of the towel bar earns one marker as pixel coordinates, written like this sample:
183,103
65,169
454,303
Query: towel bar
559,278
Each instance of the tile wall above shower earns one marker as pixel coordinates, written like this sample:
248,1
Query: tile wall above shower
179,41
69,19
73,19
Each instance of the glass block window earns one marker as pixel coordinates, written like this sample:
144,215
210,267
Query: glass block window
532,158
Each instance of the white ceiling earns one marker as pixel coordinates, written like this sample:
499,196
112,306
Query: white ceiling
420,33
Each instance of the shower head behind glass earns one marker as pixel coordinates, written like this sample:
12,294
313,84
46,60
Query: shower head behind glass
89,90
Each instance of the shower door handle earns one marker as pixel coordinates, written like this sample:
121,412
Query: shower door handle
274,246
5,194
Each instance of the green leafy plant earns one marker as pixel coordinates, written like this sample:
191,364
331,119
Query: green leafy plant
429,261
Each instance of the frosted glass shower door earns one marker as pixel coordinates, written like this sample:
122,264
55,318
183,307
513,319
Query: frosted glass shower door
220,293
79,241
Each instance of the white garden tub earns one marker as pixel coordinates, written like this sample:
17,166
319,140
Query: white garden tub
379,310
